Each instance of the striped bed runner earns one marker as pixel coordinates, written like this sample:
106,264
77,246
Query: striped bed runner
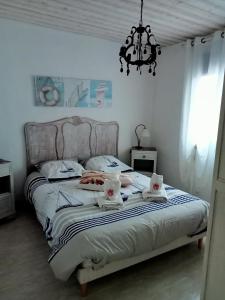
66,233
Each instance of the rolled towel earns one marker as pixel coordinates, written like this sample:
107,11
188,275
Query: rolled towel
94,180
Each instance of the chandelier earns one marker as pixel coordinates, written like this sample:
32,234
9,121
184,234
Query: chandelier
141,48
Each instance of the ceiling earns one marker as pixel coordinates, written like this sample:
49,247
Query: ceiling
172,21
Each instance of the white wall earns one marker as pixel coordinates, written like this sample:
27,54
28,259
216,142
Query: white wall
27,50
167,111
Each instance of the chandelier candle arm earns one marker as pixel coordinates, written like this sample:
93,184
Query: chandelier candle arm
136,51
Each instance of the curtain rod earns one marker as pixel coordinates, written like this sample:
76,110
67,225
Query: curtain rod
204,39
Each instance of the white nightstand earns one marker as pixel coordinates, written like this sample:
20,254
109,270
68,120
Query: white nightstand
7,203
144,160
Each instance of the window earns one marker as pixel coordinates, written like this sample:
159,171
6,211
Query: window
204,113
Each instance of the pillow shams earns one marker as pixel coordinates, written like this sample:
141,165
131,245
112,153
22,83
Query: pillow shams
60,169
106,163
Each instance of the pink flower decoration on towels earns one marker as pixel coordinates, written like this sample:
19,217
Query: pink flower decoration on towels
155,186
110,192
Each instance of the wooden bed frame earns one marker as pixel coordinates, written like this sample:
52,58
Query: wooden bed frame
81,138
85,275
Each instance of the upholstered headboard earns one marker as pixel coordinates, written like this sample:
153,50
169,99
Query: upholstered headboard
73,137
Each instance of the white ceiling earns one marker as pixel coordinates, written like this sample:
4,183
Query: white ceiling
172,21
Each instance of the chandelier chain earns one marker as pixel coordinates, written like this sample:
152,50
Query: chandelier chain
141,22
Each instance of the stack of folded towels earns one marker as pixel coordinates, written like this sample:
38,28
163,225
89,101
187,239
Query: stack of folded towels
112,198
157,190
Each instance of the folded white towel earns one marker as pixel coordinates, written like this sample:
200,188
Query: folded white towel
158,197
110,204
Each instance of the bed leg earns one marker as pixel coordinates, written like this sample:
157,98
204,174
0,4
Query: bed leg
83,289
200,243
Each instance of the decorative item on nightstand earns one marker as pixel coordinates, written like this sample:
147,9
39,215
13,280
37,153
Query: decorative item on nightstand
144,160
144,133
7,203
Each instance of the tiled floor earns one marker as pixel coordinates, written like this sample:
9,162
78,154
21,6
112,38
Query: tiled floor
26,275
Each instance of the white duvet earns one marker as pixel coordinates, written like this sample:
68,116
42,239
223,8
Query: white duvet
81,233
47,197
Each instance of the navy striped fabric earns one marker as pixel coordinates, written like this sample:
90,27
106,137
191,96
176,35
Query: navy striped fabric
77,227
33,181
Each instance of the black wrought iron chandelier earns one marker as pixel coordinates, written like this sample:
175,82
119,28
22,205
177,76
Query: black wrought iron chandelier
141,48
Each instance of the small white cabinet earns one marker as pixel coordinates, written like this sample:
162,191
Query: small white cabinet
144,160
7,203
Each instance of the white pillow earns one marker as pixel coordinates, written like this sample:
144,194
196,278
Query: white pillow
106,163
60,169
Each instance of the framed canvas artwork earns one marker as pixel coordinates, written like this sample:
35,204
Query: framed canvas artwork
52,91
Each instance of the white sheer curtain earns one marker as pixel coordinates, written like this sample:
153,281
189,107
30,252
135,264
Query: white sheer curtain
204,73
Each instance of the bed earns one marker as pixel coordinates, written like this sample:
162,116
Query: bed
90,241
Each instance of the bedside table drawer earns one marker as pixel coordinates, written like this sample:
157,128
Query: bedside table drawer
144,155
5,170
6,205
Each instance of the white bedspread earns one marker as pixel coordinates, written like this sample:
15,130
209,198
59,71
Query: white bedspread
87,233
48,197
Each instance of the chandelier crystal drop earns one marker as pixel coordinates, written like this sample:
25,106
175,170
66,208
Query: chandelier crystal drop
140,48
